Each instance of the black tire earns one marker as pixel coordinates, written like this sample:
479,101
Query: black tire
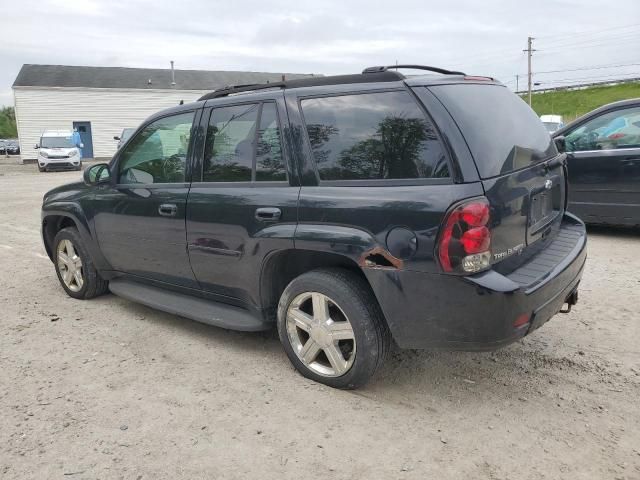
93,284
351,293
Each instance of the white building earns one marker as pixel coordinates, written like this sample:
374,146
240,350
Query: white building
101,101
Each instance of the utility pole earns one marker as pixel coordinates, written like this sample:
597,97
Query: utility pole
517,83
529,51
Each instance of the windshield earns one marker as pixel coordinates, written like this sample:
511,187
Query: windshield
56,142
502,131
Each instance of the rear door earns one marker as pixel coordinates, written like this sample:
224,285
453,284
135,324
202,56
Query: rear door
243,200
523,176
604,167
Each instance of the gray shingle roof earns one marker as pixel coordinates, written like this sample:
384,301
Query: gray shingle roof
121,77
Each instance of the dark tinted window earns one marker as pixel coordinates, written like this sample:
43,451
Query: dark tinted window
372,136
228,155
503,133
158,153
269,161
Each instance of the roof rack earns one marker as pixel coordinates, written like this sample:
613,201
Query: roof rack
231,89
414,67
378,76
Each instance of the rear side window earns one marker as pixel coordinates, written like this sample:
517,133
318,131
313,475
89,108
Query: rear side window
243,145
228,155
502,131
373,136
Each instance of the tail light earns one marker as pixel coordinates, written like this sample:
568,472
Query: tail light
465,240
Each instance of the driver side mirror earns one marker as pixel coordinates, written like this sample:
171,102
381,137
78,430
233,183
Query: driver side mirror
561,143
97,174
36,146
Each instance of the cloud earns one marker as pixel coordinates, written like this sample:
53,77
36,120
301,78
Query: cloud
333,36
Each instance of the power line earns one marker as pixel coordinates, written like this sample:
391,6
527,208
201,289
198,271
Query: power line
593,42
587,32
597,67
596,77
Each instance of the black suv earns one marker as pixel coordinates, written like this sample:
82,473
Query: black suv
348,210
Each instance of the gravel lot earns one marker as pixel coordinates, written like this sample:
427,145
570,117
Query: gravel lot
111,389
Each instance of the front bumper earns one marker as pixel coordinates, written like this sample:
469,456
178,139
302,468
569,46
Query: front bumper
59,163
478,312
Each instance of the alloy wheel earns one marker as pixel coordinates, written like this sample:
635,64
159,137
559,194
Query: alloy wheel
70,266
321,334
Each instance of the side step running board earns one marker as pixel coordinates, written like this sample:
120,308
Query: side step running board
198,309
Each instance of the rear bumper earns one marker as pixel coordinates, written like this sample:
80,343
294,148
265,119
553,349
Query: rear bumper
478,312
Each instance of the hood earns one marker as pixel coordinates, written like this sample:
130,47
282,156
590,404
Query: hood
67,192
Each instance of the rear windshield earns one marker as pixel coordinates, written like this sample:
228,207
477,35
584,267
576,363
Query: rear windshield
503,133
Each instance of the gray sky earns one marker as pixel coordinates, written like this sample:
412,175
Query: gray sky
328,36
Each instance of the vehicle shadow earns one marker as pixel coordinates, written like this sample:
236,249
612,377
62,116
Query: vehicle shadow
522,368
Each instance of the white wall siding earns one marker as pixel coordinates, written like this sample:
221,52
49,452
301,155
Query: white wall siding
108,110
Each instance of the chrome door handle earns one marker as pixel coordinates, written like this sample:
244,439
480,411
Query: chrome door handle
168,210
268,214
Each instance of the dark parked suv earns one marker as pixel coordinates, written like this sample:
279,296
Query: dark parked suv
348,210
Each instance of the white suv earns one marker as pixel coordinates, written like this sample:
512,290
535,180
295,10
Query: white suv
57,151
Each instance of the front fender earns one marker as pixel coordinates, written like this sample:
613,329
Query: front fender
53,217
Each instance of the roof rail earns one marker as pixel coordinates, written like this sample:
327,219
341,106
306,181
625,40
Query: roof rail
231,89
378,76
414,67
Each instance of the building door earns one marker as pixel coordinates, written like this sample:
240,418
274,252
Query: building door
84,129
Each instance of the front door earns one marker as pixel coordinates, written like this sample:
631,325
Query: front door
242,206
140,217
84,129
604,167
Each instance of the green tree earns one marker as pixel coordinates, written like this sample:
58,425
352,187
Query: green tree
8,127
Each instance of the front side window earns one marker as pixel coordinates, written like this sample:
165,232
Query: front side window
373,136
158,154
609,131
243,145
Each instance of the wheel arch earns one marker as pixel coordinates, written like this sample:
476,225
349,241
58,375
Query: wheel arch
281,267
55,218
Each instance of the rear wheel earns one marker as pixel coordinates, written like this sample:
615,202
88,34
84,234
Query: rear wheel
332,328
76,271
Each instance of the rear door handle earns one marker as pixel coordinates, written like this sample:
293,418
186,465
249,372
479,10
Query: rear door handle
268,214
168,209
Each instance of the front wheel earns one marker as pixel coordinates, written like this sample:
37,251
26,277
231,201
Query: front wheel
332,328
76,271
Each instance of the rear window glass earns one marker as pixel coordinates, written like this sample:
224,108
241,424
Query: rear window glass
373,136
503,133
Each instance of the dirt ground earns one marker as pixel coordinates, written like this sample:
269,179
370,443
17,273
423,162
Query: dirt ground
110,389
